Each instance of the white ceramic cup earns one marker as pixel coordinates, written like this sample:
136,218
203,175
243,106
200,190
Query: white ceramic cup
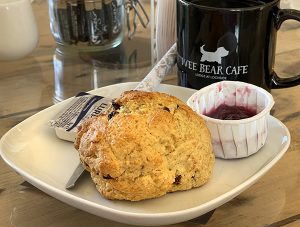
18,29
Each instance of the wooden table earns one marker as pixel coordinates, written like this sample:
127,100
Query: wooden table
45,77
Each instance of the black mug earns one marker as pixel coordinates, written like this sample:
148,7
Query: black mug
230,40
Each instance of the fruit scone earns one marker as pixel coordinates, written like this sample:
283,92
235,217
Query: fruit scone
145,145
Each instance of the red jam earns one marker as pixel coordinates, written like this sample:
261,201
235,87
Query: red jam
225,112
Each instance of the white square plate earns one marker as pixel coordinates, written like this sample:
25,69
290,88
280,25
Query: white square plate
32,149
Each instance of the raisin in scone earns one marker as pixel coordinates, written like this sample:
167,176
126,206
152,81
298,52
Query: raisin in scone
146,145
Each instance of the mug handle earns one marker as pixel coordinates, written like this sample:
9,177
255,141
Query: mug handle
283,15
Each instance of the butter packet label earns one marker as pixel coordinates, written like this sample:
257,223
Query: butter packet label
83,105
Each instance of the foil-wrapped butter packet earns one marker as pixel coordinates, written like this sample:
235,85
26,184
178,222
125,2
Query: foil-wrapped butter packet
82,106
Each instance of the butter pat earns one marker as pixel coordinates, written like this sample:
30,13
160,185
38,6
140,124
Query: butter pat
83,106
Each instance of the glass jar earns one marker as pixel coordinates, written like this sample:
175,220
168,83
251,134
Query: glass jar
87,24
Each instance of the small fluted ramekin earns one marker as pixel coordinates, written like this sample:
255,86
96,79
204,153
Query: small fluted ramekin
234,138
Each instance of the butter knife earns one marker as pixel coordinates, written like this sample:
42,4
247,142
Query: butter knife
149,83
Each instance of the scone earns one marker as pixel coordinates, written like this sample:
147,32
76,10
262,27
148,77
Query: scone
146,145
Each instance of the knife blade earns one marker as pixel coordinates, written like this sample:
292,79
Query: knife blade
75,176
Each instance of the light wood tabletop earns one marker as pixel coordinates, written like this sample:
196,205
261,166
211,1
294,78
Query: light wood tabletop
47,76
